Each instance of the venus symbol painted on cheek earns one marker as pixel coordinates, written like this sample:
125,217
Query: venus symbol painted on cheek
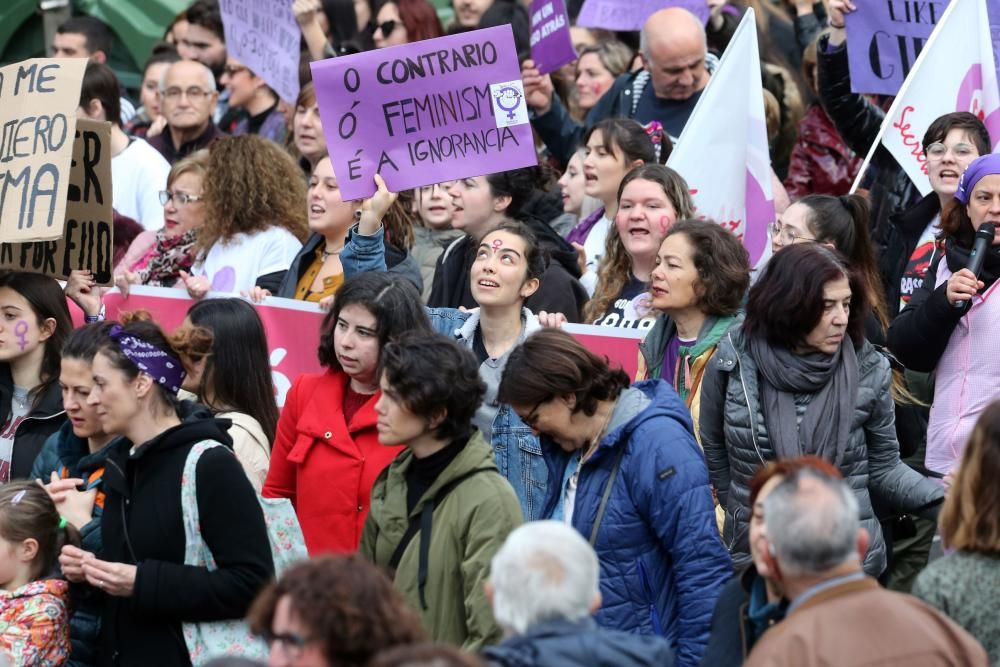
664,224
21,331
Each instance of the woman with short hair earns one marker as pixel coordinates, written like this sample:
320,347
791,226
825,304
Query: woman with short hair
798,377
627,473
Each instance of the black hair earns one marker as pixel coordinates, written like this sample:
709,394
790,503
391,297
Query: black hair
96,33
535,256
101,84
515,15
83,343
238,367
163,53
518,184
959,120
627,138
394,302
206,14
431,375
47,301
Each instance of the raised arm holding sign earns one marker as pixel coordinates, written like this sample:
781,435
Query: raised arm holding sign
426,112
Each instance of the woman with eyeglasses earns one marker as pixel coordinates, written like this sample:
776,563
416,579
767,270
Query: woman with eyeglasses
157,259
332,611
253,105
403,22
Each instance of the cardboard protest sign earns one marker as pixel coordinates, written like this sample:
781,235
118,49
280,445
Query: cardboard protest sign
293,331
263,35
884,38
38,102
551,45
426,112
632,14
734,188
88,234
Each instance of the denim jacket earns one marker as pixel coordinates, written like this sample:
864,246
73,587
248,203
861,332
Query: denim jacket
516,449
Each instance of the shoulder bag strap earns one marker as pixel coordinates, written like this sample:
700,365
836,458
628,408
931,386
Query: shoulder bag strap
607,494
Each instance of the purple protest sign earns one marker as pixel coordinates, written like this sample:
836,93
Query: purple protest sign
632,14
885,38
421,113
551,44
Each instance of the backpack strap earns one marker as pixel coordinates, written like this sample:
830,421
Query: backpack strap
422,524
607,494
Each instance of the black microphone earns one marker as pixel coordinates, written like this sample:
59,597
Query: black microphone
984,238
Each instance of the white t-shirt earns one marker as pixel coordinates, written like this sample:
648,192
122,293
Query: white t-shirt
138,174
236,264
594,247
19,409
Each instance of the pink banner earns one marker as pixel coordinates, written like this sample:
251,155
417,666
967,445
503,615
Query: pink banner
293,331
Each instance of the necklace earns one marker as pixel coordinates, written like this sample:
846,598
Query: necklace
327,254
592,447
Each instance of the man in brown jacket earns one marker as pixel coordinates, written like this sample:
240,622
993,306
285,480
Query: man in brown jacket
838,615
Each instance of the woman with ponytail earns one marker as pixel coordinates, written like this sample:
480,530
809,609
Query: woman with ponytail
34,614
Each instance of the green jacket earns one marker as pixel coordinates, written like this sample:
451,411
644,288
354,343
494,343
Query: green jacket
469,526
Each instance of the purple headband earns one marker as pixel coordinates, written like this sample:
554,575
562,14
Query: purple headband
164,368
984,165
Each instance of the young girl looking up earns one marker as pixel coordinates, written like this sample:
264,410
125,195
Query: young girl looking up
34,619
34,322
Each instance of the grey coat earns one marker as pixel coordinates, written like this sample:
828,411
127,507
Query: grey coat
735,439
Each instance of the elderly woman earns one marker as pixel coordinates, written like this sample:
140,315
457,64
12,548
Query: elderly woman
626,472
798,377
949,317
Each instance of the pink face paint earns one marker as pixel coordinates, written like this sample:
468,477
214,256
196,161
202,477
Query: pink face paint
496,245
664,224
21,330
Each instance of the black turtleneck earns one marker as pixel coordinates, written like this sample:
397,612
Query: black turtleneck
423,472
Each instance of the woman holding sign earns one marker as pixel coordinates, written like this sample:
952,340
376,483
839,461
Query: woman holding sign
34,323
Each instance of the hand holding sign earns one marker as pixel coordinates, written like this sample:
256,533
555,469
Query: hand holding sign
538,88
374,208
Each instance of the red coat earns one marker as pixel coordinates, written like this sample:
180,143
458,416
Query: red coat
821,163
324,465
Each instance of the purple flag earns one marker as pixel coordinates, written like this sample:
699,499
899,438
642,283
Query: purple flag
632,14
885,38
426,112
551,45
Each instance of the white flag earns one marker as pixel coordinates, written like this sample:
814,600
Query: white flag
955,71
723,153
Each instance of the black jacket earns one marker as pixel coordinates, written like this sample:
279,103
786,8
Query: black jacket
858,121
733,634
561,643
560,290
896,241
142,524
44,419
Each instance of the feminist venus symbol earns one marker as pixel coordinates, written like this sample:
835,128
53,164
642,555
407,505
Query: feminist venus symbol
496,245
21,330
509,92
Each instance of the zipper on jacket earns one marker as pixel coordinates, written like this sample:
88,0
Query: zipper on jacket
746,395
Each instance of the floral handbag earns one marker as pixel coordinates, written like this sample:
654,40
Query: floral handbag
233,637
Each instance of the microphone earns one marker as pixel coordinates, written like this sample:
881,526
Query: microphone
984,238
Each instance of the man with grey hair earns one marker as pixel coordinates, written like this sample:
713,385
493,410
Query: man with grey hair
839,616
189,99
676,68
544,587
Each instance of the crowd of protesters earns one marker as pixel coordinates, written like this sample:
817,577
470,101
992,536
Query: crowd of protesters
462,482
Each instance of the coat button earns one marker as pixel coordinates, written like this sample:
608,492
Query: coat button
360,508
328,435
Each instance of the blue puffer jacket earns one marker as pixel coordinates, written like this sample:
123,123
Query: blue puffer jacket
69,456
561,643
662,562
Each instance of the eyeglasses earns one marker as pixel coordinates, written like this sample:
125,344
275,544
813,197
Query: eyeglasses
291,645
788,234
531,420
193,94
937,151
233,70
180,198
385,26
